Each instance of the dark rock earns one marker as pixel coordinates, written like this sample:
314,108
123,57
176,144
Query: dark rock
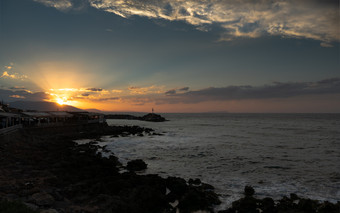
327,207
197,181
176,185
136,165
43,199
31,206
249,191
153,117
193,200
49,211
268,205
205,186
145,199
307,205
227,211
286,204
148,117
294,196
246,205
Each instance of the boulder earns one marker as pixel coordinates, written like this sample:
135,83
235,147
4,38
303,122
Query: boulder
176,185
136,165
249,191
197,181
43,199
268,205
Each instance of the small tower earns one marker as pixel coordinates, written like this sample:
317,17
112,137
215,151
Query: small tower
152,110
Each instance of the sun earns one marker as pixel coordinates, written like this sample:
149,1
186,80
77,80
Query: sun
61,101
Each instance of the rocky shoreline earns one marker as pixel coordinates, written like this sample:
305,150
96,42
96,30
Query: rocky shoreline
46,171
150,117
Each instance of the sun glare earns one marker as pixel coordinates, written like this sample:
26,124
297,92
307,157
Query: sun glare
61,101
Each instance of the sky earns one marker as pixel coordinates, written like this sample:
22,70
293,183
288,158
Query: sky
173,55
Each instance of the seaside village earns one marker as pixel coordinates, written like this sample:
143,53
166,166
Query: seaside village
12,119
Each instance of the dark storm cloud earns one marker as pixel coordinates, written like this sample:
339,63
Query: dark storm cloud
276,90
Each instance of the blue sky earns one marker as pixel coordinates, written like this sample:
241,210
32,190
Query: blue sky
167,54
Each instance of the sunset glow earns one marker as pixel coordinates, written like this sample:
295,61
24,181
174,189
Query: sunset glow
61,101
174,56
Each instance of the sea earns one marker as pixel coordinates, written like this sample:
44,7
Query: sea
277,154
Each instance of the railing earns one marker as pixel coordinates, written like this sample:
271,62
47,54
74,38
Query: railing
10,129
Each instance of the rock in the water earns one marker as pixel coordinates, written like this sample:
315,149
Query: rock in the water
136,165
246,205
176,185
197,181
268,205
153,117
249,191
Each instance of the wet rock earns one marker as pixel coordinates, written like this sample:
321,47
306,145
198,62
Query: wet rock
197,181
176,185
249,191
193,200
136,165
43,199
145,199
205,186
327,207
286,204
307,205
246,205
268,205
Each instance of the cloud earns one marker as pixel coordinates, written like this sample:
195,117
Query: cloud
146,90
95,89
246,92
184,89
9,95
170,92
107,99
17,87
7,73
17,96
175,91
311,19
58,4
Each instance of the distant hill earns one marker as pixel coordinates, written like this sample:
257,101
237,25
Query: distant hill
42,106
94,110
